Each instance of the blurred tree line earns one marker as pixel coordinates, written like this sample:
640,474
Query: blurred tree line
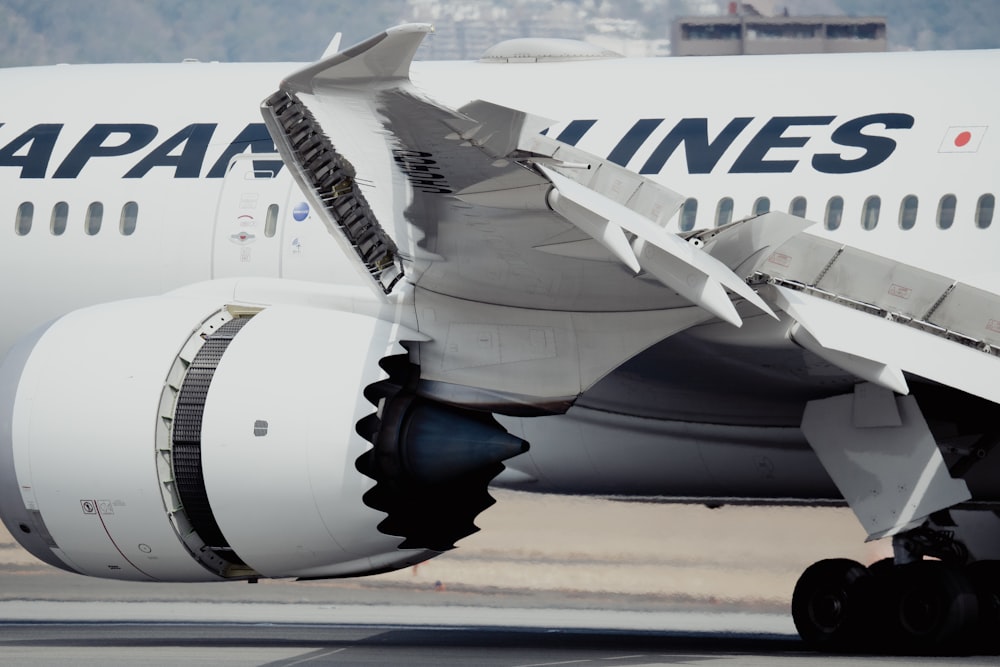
925,25
89,31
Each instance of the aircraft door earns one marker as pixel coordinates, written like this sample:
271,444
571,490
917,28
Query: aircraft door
249,219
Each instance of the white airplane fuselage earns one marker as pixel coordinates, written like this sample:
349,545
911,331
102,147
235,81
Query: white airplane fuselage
279,401
151,144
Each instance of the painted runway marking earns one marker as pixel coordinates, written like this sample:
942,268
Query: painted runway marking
308,657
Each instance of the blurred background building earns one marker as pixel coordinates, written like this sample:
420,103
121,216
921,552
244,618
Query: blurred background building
745,30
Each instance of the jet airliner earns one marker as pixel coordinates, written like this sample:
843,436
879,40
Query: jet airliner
284,320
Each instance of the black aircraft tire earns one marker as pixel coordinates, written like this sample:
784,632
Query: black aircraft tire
934,606
985,578
828,605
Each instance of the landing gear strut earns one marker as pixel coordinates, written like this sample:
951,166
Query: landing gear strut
907,606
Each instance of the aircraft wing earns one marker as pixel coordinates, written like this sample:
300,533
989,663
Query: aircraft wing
478,204
878,318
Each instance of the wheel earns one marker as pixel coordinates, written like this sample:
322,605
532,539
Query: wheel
882,568
985,578
933,606
828,604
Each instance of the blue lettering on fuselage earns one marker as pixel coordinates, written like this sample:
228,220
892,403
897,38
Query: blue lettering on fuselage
131,137
877,148
753,158
702,155
703,152
31,150
183,153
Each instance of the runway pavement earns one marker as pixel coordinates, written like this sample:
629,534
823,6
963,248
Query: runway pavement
109,644
625,555
551,581
423,641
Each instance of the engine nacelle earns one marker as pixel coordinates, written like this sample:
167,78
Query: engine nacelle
170,439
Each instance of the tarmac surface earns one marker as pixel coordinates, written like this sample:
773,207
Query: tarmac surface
419,643
548,581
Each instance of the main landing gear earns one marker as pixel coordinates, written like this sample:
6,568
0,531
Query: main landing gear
903,605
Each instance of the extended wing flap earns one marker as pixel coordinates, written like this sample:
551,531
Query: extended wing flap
878,318
689,271
876,372
744,245
890,346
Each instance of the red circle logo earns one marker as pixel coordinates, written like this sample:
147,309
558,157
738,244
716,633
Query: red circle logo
962,138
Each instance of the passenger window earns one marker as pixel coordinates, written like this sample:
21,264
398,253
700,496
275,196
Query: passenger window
908,212
869,215
689,212
946,212
724,212
761,206
95,215
834,212
798,207
25,214
984,211
60,212
271,221
130,213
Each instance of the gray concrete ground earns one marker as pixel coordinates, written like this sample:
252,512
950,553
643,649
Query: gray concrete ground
588,553
549,580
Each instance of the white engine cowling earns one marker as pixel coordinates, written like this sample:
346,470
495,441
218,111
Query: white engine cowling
92,413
